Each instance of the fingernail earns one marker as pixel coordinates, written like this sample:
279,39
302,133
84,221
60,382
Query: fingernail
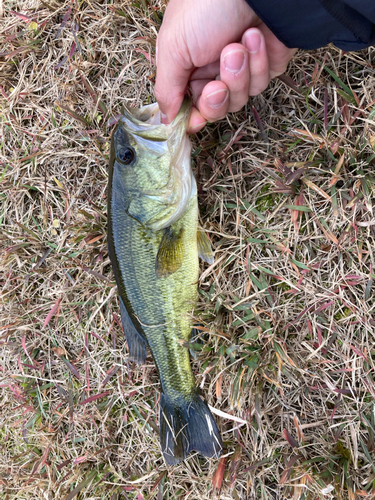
217,99
163,118
253,41
234,61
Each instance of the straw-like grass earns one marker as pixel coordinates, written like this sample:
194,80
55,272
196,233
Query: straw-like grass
286,189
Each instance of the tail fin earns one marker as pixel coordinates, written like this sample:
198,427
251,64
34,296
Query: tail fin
186,424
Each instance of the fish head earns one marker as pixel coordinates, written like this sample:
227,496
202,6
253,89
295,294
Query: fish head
151,166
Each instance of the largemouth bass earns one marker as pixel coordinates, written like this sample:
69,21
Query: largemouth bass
154,242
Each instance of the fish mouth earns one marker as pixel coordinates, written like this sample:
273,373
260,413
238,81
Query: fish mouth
146,121
144,116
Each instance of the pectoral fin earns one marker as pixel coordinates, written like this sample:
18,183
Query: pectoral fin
171,253
136,343
204,247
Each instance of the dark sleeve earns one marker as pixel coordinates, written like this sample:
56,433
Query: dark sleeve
309,24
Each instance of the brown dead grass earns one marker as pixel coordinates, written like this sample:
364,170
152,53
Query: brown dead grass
287,310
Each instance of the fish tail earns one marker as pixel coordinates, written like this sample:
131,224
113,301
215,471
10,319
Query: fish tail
186,424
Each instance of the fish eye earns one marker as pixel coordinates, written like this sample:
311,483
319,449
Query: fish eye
126,155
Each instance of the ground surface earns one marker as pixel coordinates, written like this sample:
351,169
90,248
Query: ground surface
286,190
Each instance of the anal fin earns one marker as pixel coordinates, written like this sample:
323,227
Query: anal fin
195,343
136,343
204,247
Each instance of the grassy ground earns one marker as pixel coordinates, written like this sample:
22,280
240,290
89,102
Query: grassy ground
286,190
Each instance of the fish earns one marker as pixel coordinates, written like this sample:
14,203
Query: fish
154,242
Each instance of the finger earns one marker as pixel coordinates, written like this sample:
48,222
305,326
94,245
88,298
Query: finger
214,101
234,72
196,88
278,54
196,121
209,72
172,76
253,40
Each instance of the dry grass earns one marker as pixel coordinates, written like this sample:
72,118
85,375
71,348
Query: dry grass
287,309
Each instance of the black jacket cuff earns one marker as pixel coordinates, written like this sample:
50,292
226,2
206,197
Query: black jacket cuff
309,24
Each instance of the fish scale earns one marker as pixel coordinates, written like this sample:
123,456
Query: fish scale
157,270
165,301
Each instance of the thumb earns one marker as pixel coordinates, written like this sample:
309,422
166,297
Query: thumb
172,76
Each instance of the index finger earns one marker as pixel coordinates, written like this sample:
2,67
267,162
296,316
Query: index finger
172,76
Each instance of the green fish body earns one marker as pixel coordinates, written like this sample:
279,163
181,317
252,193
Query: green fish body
154,242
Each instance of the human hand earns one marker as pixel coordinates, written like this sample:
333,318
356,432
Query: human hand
198,43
